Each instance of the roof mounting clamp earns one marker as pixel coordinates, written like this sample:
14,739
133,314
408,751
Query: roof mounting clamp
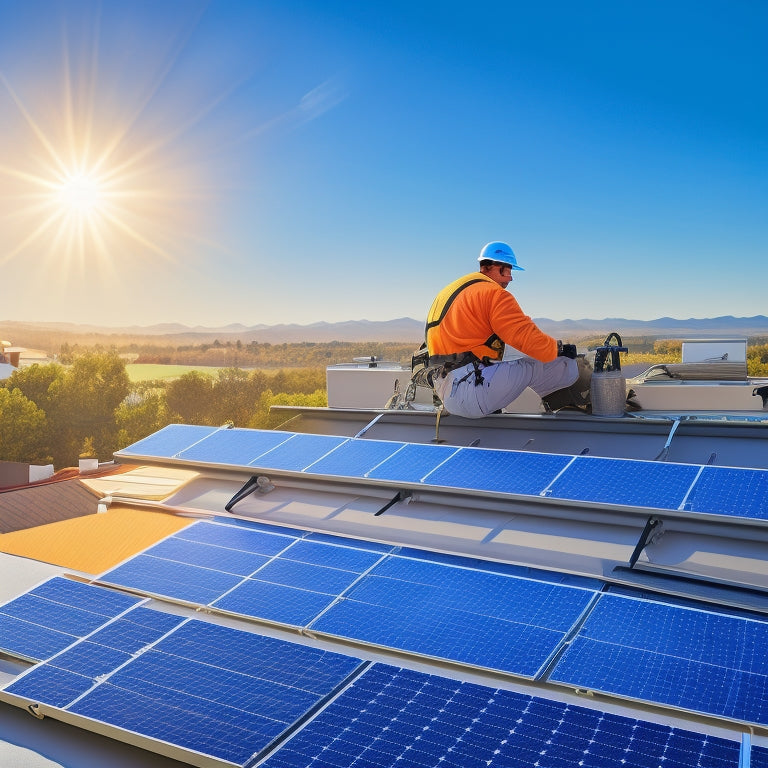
260,483
654,528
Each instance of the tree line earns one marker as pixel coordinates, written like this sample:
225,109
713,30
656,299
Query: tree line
56,414
237,354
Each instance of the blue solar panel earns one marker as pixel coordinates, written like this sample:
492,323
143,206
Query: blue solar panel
319,578
51,616
625,481
483,619
258,541
236,447
89,659
179,581
694,659
29,640
216,690
50,685
168,441
208,556
136,629
485,469
332,555
274,602
73,671
412,462
729,491
92,599
391,716
506,568
354,458
298,452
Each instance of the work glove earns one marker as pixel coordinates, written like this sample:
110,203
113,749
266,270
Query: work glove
566,350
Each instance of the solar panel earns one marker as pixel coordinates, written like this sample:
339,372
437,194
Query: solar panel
354,458
320,578
216,691
135,629
391,716
235,447
275,602
208,556
246,539
169,441
485,469
54,614
167,578
334,554
730,491
199,563
298,452
626,482
506,568
482,619
693,659
411,463
588,479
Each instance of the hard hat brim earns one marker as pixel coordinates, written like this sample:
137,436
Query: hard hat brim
502,261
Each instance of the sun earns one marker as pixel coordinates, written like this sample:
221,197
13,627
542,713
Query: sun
91,188
81,194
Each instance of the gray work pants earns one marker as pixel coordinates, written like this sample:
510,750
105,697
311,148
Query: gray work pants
502,383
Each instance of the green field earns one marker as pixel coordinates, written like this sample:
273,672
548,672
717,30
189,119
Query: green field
152,371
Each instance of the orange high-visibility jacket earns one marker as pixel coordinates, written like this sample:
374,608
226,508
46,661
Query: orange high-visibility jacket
475,314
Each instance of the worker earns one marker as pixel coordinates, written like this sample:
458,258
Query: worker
468,325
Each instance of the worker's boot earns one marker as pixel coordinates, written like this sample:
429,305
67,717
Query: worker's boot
575,396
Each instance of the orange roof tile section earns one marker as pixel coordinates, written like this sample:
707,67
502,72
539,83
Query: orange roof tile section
94,543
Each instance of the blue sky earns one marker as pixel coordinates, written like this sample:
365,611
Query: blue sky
288,161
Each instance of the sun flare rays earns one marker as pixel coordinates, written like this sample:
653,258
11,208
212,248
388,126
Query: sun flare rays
90,186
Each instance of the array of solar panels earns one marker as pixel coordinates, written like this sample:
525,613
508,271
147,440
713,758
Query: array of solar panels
734,492
218,694
522,622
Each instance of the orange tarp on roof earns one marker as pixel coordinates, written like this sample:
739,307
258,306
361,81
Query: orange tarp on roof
96,542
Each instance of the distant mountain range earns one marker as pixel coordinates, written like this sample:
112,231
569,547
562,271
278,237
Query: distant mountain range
404,329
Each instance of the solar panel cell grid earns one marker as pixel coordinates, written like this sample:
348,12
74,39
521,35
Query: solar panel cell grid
168,441
391,716
49,617
412,462
179,581
332,555
522,600
223,559
29,640
236,537
234,447
274,602
686,658
299,452
439,632
727,491
51,685
136,629
354,458
500,471
330,581
626,482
